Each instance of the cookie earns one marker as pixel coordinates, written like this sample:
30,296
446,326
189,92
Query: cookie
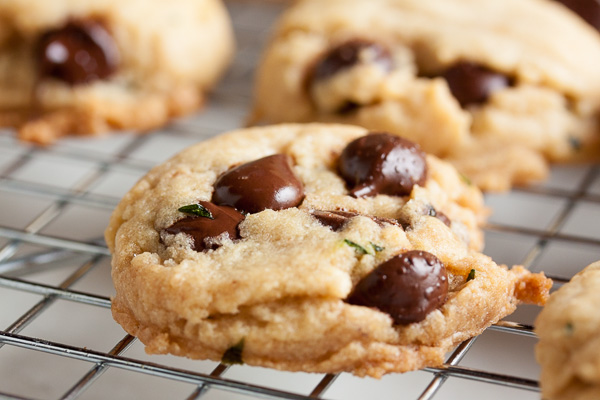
314,247
569,339
89,66
492,89
589,10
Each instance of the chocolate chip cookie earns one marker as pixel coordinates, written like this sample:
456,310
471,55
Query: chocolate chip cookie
569,339
492,89
589,10
86,67
314,247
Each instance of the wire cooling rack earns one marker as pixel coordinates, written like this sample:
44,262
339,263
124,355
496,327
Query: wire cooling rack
58,340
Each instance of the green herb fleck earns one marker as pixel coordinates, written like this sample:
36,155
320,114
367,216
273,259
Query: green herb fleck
359,249
233,355
465,179
569,328
196,209
376,247
575,143
471,275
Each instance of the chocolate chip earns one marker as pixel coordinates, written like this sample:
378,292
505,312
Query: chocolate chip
79,52
471,83
208,232
267,183
337,219
333,219
348,107
380,163
348,54
405,224
589,10
407,287
444,218
439,215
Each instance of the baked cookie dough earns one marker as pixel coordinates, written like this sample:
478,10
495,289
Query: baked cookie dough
569,339
308,248
489,86
589,10
88,66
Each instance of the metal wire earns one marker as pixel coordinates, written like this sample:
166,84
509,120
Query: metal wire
88,254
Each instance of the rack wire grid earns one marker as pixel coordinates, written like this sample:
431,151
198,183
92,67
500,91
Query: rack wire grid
60,342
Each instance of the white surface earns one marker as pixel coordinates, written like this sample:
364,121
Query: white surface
29,187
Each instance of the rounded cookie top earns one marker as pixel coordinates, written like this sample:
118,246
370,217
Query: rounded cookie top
89,66
569,339
492,89
256,239
443,32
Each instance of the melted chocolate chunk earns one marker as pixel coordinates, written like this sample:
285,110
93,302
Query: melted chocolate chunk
589,10
337,219
380,163
79,52
267,183
348,54
444,218
407,287
206,231
472,83
405,224
334,219
348,107
440,215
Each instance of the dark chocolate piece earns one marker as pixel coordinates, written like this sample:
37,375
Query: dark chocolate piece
267,183
381,163
589,10
337,219
348,54
206,231
333,219
348,108
472,83
439,215
407,287
79,52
